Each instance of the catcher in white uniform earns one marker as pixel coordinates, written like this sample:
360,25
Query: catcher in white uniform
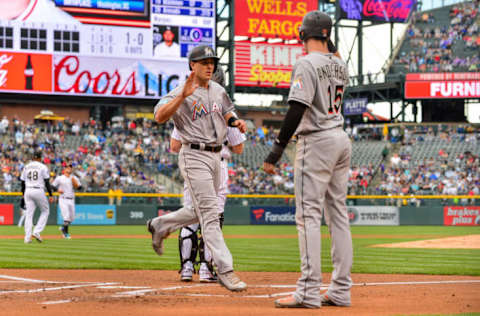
66,185
188,241
34,179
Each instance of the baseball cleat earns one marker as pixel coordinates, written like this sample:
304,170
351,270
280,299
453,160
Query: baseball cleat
27,241
327,301
62,230
186,274
290,302
206,276
231,282
157,238
37,237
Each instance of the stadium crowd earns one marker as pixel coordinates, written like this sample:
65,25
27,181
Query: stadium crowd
445,172
434,45
127,155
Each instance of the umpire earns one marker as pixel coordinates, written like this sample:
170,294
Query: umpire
200,109
321,164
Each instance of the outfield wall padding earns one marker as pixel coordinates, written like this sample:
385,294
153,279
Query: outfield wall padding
424,215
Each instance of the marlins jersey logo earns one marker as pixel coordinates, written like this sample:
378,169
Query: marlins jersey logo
198,110
297,83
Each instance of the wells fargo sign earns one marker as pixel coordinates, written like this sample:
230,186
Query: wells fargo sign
265,65
271,18
442,85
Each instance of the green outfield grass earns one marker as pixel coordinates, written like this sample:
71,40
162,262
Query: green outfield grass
250,254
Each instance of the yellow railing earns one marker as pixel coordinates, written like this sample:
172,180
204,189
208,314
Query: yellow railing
260,196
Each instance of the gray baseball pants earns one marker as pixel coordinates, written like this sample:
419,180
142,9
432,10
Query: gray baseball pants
321,174
201,171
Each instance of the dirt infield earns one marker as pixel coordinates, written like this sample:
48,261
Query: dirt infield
457,242
133,292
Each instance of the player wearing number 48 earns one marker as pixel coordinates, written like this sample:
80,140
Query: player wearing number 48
34,180
34,11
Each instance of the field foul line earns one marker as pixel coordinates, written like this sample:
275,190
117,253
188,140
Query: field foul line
417,282
14,278
43,289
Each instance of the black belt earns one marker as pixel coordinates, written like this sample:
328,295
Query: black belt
214,149
34,188
222,159
68,198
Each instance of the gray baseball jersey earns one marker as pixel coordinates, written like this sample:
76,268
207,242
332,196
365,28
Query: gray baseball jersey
200,117
34,174
319,81
321,174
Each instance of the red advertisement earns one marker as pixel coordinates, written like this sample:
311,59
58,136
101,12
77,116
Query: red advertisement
265,65
271,18
452,85
25,72
442,89
461,215
6,214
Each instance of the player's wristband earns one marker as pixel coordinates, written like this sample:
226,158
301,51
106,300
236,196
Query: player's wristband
232,120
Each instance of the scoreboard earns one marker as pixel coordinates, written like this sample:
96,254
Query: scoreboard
112,48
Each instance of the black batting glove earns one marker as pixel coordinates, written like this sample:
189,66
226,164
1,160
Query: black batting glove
276,153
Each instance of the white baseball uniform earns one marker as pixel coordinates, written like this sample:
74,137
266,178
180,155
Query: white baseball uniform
34,175
67,198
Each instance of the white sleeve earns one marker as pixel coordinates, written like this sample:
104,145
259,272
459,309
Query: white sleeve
234,136
175,135
22,176
46,173
56,182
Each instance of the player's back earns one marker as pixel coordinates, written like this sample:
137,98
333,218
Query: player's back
330,77
34,175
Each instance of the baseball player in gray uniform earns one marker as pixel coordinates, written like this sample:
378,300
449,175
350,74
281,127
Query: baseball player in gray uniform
201,110
189,242
321,164
66,185
34,179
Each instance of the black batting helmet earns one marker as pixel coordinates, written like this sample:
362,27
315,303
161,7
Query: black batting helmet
219,77
202,52
315,24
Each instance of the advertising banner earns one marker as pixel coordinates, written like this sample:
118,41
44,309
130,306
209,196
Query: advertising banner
116,77
91,214
6,214
271,19
272,215
442,85
354,106
265,65
135,214
461,215
376,10
25,72
374,215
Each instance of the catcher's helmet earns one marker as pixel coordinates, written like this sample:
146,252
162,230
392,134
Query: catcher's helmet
219,77
202,52
315,24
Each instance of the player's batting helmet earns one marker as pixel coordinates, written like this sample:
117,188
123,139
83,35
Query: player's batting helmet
219,76
315,24
202,52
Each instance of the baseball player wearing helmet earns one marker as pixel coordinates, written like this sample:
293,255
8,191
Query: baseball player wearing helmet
66,185
201,111
321,164
34,179
188,241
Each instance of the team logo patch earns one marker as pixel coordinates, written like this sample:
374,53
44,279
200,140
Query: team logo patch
198,110
297,83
